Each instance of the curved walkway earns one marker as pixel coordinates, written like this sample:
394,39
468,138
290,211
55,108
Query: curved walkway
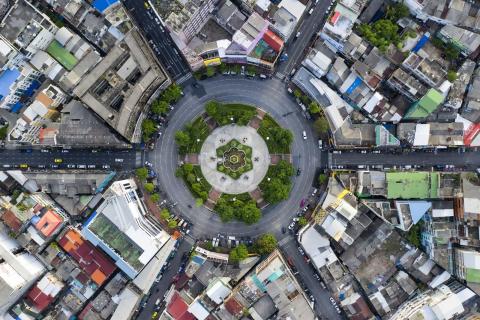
269,95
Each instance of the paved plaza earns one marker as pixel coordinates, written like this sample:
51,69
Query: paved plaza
208,159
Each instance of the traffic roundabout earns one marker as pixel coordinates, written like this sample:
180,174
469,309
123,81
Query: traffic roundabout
233,157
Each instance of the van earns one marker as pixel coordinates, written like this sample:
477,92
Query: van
310,12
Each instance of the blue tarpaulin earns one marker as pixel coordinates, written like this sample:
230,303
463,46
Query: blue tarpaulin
7,78
355,84
423,40
101,5
16,107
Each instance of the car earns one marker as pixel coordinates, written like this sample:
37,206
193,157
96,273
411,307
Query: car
299,171
320,144
81,166
118,160
154,315
310,11
158,300
295,219
376,151
333,301
91,166
314,192
65,151
312,298
106,166
24,166
363,151
298,34
44,150
304,134
323,285
70,166
301,251
41,166
58,160
54,166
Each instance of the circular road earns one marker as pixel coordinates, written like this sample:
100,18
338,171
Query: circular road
269,95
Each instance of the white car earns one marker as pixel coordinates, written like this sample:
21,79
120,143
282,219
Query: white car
304,134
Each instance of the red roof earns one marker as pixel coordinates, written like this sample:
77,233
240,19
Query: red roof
177,308
335,17
470,133
274,41
49,223
11,220
88,257
38,299
233,307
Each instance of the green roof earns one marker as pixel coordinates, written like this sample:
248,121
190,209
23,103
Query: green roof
412,185
473,275
62,55
425,106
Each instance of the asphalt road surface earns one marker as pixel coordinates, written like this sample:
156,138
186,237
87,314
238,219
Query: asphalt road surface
322,306
309,26
69,159
160,288
269,95
158,37
469,160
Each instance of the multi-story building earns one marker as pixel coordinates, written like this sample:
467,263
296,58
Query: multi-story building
18,271
122,228
188,21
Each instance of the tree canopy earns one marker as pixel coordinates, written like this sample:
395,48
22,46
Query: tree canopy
321,125
238,253
142,173
265,244
149,187
314,107
159,107
397,11
381,33
3,132
172,94
148,128
155,197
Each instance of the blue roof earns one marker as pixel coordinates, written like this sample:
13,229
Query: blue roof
16,107
355,84
7,78
423,40
101,5
418,209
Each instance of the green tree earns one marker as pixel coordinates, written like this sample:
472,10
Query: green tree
212,108
238,253
381,34
321,125
172,93
451,75
265,244
302,222
451,52
165,214
297,93
159,107
155,197
397,11
182,138
172,223
3,132
250,213
191,178
314,107
210,72
275,191
148,128
142,173
225,210
149,187
198,202
322,178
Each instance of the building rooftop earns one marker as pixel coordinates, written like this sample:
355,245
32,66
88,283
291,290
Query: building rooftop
121,227
426,105
49,223
91,260
412,185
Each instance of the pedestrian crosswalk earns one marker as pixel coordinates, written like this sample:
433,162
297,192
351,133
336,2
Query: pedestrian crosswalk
184,78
